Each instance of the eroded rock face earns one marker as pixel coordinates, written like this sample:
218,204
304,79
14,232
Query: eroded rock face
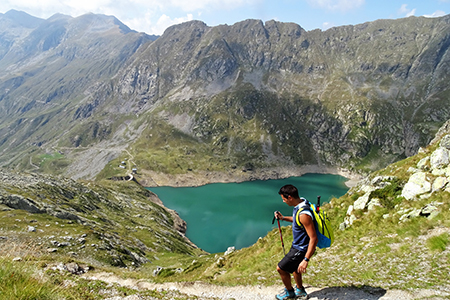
266,94
430,175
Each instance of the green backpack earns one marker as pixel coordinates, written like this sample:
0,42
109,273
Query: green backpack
322,224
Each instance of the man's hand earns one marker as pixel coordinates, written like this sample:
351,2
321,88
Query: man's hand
278,215
302,267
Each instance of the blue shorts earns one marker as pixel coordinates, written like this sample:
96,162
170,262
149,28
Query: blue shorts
292,260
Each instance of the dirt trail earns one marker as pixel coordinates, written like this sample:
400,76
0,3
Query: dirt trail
207,291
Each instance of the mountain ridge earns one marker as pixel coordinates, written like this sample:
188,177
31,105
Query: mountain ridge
234,98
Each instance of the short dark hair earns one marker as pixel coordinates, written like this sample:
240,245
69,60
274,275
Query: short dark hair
289,190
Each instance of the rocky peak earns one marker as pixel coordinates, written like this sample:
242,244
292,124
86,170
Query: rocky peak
21,19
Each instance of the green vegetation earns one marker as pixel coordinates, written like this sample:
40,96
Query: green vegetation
389,195
24,279
439,242
17,282
124,232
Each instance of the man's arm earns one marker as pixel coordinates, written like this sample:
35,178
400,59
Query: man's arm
308,223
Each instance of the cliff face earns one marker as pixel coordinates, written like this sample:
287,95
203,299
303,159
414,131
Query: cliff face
241,98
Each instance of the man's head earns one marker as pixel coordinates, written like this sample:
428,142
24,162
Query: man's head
289,194
289,190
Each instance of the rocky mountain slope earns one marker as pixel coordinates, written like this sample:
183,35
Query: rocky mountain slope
240,100
393,240
103,224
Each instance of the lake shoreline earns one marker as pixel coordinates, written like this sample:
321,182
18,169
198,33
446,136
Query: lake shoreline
200,178
237,214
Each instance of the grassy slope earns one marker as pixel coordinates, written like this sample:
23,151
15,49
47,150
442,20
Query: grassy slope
378,250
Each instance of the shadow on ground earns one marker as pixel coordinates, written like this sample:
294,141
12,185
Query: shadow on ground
348,293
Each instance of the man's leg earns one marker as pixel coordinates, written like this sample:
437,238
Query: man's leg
298,279
286,278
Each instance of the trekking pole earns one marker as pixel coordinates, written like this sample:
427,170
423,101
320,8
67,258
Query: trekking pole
318,203
281,235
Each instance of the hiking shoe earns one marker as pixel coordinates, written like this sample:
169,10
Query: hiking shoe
286,294
300,293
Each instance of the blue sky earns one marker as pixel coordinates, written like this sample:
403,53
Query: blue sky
154,16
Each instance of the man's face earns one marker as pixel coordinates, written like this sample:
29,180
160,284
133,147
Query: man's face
287,200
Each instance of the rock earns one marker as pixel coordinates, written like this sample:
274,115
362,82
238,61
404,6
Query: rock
157,271
439,158
74,268
374,202
349,210
138,259
416,185
412,170
445,142
220,262
438,172
349,220
447,171
19,202
429,209
381,181
230,250
439,184
63,215
423,164
413,214
362,201
31,229
17,259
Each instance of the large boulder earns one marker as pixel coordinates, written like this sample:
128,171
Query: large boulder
439,158
362,201
417,184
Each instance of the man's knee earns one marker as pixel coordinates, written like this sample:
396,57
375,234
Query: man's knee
279,270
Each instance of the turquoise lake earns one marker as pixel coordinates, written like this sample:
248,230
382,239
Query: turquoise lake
221,215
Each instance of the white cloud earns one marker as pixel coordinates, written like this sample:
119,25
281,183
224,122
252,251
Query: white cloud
327,25
194,5
146,24
340,5
405,11
438,13
150,16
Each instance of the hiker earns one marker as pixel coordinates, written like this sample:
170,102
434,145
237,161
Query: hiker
303,245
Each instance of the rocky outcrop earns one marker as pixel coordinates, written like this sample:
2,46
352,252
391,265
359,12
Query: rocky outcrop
430,175
123,223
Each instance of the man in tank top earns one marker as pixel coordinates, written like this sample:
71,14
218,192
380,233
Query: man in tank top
303,245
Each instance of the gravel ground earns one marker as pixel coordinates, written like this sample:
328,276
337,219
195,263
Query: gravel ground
208,291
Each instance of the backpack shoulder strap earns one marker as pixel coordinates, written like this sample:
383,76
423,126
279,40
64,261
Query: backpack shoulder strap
297,215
